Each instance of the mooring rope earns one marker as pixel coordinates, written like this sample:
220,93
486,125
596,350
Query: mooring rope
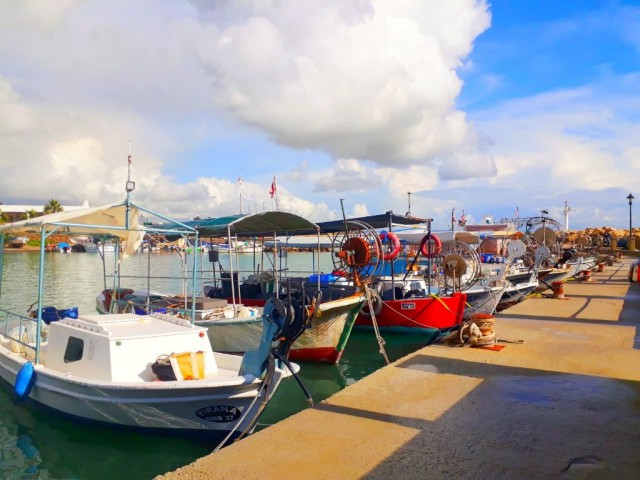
374,322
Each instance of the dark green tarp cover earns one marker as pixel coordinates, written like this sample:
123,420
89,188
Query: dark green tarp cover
254,225
376,221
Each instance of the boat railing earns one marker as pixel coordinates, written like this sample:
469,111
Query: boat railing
15,322
168,283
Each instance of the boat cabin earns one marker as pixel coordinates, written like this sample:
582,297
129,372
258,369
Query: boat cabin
121,347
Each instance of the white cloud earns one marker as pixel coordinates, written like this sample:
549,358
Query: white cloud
348,175
361,79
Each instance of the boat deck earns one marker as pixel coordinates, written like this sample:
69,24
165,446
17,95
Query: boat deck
560,400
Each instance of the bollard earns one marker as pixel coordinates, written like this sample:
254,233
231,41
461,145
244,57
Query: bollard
586,276
601,267
558,289
485,323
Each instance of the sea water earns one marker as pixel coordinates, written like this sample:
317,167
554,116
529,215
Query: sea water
38,443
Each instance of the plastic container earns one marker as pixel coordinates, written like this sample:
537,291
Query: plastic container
324,278
67,313
49,314
486,258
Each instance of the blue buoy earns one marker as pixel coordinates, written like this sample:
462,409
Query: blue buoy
24,381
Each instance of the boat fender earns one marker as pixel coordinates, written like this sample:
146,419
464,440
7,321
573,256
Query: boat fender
25,380
436,247
395,245
376,301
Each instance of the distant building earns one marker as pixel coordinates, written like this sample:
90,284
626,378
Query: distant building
15,213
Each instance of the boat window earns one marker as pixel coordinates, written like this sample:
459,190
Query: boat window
75,348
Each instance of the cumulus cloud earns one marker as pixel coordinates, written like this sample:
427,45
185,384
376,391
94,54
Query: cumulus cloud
348,175
366,79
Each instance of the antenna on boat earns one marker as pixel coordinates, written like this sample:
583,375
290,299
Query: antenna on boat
131,185
344,217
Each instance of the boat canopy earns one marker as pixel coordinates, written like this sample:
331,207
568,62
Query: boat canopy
375,221
120,220
254,225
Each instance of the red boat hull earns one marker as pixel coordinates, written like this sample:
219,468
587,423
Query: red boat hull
427,314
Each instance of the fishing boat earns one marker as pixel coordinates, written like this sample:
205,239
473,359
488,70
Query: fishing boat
401,300
417,313
155,372
230,306
521,287
238,246
18,242
235,326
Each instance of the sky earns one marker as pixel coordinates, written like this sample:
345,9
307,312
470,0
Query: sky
361,106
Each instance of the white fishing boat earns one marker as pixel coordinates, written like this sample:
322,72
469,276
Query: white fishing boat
18,242
153,372
106,247
238,246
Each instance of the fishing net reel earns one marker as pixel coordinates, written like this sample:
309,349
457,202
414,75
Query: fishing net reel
357,252
546,232
460,266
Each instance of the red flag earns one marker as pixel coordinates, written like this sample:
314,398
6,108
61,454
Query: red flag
272,190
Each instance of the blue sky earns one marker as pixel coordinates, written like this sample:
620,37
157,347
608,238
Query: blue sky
467,104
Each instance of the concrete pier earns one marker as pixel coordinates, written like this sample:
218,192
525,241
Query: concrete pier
560,400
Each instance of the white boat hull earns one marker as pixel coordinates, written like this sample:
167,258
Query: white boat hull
514,294
173,405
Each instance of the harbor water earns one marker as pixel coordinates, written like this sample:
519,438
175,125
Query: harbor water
37,443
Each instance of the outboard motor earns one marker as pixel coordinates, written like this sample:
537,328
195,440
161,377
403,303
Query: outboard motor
297,319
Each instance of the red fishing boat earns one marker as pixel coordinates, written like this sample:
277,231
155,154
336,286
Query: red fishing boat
430,316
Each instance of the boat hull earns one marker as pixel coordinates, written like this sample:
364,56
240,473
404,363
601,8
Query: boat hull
553,276
324,341
515,294
483,300
427,316
178,406
330,329
234,335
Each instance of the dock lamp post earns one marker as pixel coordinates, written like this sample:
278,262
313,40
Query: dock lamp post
632,244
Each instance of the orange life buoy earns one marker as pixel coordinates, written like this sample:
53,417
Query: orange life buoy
395,243
436,247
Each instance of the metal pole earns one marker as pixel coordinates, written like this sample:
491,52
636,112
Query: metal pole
1,259
194,281
43,241
630,222
630,197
